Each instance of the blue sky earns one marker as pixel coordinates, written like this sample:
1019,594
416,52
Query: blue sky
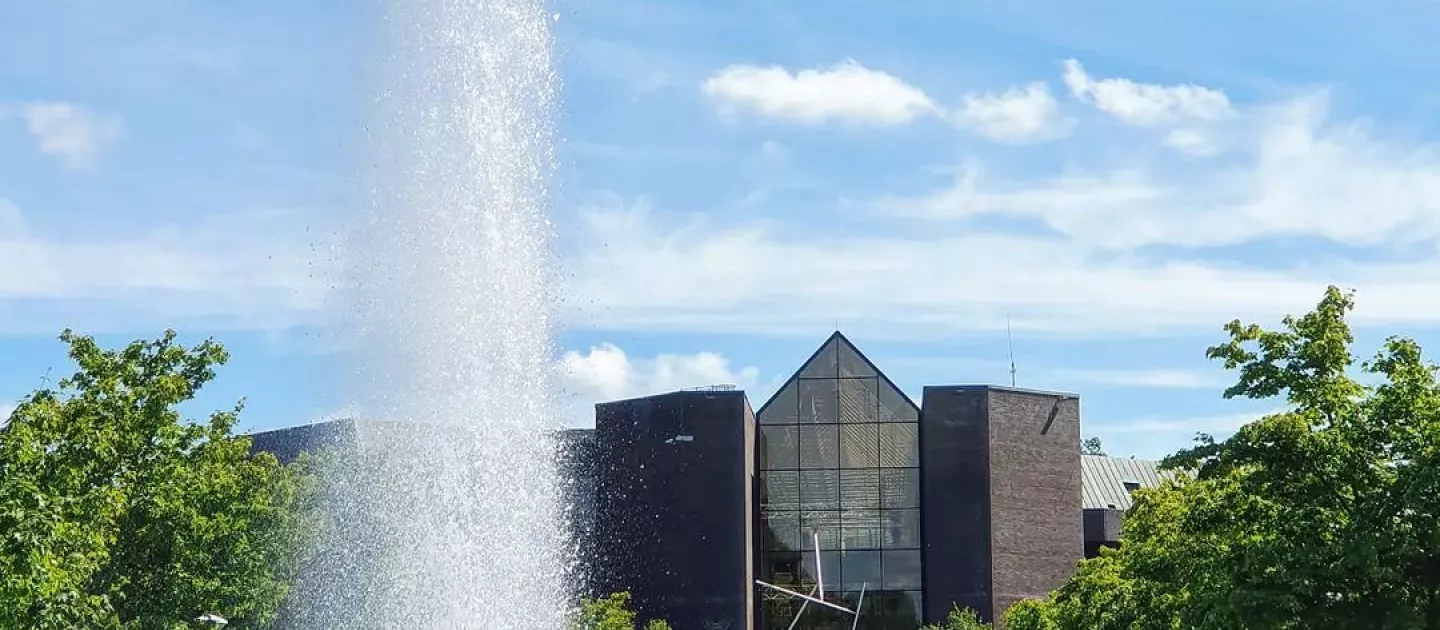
739,178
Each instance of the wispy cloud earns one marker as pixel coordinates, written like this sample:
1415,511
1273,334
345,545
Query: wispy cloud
1158,378
69,132
1067,378
636,271
1192,142
1122,250
1019,114
845,92
248,271
1146,104
1216,425
1295,174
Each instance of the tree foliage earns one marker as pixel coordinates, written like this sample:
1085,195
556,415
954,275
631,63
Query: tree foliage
610,613
1323,515
1092,446
116,513
960,619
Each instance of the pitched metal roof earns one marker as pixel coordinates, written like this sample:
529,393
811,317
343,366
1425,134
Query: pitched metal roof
1104,479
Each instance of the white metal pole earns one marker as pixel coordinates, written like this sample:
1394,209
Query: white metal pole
819,574
860,603
803,604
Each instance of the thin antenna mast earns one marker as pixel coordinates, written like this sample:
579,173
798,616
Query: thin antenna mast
1010,337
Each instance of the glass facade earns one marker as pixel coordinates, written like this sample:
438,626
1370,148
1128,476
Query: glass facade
839,462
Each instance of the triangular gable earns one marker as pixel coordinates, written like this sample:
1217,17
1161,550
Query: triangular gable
838,359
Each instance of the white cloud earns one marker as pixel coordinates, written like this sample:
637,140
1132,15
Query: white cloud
639,274
1191,142
1218,426
605,373
971,369
1297,175
1109,263
1019,114
845,92
1146,104
1157,378
1155,437
67,131
247,271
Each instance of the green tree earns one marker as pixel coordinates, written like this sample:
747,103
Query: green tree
959,619
1323,515
1092,446
610,613
116,513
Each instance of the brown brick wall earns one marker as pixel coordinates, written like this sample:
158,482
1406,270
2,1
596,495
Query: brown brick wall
1036,531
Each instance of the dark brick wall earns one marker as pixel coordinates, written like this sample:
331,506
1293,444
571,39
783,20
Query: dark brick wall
955,501
1102,529
672,519
750,522
287,444
1035,537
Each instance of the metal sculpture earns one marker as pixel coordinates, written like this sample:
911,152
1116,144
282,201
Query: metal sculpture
817,593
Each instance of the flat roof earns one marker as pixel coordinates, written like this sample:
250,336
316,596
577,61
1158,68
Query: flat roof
1007,388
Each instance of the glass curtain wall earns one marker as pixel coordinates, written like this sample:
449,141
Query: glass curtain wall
840,464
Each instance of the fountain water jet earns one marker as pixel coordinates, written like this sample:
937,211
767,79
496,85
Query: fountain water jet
452,519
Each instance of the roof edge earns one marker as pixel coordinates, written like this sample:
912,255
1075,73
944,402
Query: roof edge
1009,389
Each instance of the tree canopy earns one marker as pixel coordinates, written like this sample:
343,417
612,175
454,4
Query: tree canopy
117,513
610,613
1325,514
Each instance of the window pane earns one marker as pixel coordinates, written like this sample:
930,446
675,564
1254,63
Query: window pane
829,564
819,401
780,568
871,611
902,570
860,489
824,524
819,446
860,569
902,529
783,406
858,402
779,448
851,364
895,407
780,489
825,364
859,445
900,487
782,531
898,446
820,489
862,529
893,610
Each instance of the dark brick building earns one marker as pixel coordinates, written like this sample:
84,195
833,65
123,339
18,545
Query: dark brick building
977,497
